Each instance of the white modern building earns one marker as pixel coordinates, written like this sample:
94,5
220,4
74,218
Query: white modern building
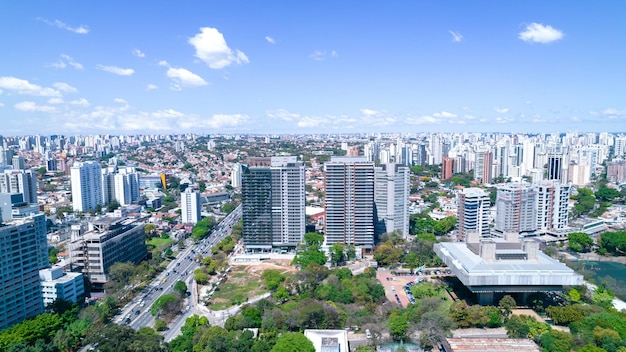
120,184
57,284
349,203
391,198
235,176
552,206
491,268
20,181
23,252
86,182
190,206
473,212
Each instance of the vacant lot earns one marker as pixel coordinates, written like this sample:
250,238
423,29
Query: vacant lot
243,282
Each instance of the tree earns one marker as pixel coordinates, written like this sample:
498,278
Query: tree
506,305
613,242
160,302
579,241
113,205
293,342
387,255
181,288
272,278
398,325
337,254
160,325
557,341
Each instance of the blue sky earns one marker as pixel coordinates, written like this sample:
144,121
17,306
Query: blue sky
126,67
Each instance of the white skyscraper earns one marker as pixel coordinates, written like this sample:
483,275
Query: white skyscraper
391,198
86,182
349,201
552,202
473,212
235,176
190,206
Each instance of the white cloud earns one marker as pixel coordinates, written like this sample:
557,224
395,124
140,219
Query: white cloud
82,102
456,36
151,87
117,70
120,100
444,114
55,101
270,40
501,110
82,29
217,121
64,87
422,120
65,61
211,48
319,55
138,53
312,121
369,112
163,63
24,87
184,78
283,115
30,106
538,33
613,113
1,105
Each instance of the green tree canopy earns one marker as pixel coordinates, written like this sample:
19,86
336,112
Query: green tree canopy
293,342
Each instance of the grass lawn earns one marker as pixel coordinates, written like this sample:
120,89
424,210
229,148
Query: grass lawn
159,242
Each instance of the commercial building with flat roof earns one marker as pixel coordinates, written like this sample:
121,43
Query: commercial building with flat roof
494,267
57,284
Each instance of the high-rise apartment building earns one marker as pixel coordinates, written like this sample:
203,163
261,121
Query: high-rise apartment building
190,206
349,204
273,203
483,166
235,176
516,208
23,252
616,171
23,182
447,168
391,199
473,212
18,162
552,202
86,182
555,167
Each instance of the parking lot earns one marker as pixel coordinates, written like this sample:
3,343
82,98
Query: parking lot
398,285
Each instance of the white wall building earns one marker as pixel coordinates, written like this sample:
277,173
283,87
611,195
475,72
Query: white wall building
86,181
391,197
473,212
190,206
58,284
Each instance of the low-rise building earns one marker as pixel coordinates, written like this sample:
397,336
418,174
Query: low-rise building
55,283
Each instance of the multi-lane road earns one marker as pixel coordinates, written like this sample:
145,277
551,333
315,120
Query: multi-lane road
137,312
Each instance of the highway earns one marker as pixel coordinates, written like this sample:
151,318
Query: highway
137,312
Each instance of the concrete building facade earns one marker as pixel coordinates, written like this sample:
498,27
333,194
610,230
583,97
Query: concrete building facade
97,245
23,252
349,206
273,203
57,284
473,212
391,199
516,208
190,206
86,181
20,181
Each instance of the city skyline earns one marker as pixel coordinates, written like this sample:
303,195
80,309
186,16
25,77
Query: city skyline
241,67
